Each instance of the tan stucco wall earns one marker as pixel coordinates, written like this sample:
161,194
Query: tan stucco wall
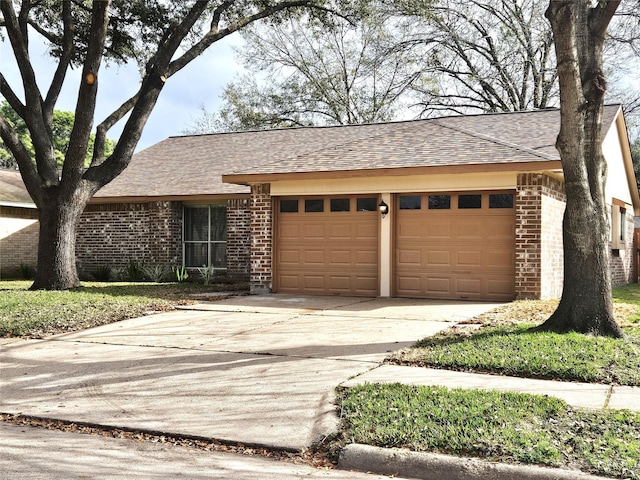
18,239
617,185
396,184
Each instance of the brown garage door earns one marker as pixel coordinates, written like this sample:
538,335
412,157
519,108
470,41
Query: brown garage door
327,246
455,246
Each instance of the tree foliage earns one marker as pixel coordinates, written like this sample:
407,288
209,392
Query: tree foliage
163,36
62,125
304,72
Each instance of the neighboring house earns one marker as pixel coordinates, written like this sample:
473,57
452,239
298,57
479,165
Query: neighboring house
18,225
475,207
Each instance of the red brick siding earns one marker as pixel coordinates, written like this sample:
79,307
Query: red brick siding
540,204
113,234
261,239
238,238
19,230
554,202
621,261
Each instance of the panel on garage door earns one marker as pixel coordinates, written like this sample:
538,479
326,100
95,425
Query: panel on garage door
327,246
455,246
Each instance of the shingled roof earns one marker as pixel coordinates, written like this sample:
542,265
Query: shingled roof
194,165
13,191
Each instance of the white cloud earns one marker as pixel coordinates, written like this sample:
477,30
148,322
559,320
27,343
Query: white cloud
200,82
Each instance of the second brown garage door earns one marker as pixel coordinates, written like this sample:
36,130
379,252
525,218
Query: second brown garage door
327,246
455,246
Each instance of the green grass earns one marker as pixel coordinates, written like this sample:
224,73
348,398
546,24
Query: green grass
514,350
36,314
505,427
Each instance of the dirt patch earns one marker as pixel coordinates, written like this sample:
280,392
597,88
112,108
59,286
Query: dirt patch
537,311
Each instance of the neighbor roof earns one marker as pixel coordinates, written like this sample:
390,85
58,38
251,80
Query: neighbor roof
13,191
194,165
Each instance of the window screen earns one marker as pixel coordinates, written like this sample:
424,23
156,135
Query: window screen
439,202
469,201
367,204
340,204
501,200
205,236
410,202
314,205
289,206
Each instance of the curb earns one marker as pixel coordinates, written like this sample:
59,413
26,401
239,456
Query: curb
432,466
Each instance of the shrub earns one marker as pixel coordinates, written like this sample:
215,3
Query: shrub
134,271
181,273
102,273
157,273
207,274
27,271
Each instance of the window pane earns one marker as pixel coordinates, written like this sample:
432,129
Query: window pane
314,205
196,220
469,201
289,206
219,255
501,200
410,202
439,202
340,204
218,223
196,254
367,204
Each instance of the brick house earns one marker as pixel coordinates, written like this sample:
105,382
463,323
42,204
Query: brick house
475,207
18,225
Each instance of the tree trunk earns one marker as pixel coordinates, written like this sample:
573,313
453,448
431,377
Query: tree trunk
57,244
586,305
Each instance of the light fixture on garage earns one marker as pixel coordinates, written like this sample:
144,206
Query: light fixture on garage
383,208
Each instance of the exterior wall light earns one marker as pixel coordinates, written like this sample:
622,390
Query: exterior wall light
383,208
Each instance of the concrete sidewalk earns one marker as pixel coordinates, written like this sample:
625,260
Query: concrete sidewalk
580,395
259,370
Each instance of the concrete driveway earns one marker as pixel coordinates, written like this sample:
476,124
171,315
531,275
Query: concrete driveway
259,370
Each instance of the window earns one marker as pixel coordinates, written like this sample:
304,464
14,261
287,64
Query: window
501,200
314,205
469,201
439,202
367,204
289,206
410,202
205,236
340,204
618,227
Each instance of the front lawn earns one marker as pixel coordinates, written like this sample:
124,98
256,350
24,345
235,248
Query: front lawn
500,342
504,427
36,314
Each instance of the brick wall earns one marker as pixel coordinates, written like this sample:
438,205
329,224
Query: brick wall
553,206
19,229
540,204
261,239
238,238
113,234
621,261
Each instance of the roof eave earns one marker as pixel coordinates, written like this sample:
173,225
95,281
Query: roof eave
257,178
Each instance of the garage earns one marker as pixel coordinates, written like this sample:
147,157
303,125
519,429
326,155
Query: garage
455,245
327,245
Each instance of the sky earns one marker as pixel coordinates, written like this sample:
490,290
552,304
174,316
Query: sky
199,83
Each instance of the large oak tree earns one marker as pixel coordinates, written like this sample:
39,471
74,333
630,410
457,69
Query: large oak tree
162,35
579,32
